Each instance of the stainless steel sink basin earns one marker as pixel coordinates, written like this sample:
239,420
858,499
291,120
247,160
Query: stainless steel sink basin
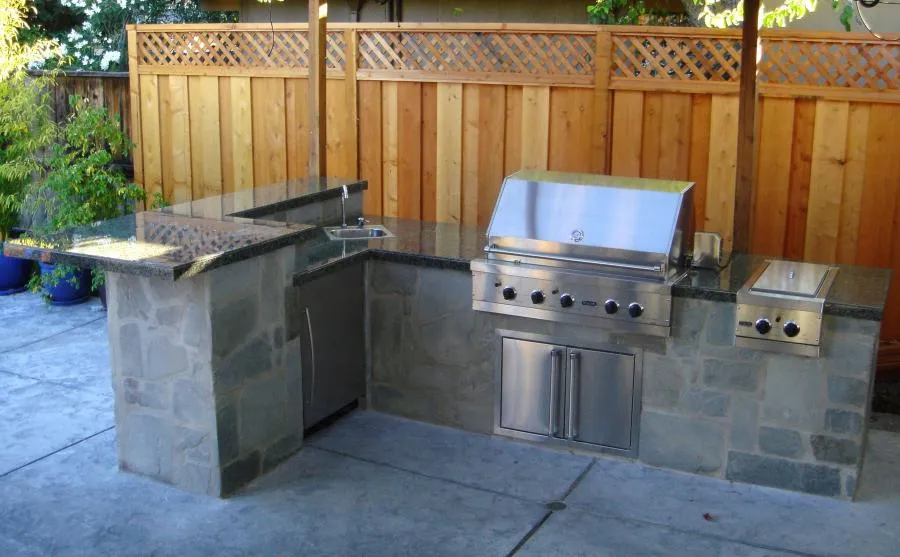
357,233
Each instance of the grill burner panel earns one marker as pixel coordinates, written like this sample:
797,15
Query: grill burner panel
585,249
780,307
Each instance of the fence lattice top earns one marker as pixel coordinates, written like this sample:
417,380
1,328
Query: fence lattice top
678,57
831,64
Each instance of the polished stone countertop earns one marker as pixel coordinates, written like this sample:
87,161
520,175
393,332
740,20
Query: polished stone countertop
187,238
859,292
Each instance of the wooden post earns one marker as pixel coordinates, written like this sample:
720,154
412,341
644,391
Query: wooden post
134,92
318,22
746,148
600,136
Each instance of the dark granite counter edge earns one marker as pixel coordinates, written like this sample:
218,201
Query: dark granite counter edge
305,199
679,291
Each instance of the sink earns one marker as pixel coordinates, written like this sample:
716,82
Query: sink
357,233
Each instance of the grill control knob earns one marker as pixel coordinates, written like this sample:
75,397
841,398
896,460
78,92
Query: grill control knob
537,297
509,293
763,326
635,309
566,300
791,329
611,306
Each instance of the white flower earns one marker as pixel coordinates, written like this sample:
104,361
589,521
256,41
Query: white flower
122,4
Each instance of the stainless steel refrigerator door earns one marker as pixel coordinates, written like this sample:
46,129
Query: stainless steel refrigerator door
599,397
531,378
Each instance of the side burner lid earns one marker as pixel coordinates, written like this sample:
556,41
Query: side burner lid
791,278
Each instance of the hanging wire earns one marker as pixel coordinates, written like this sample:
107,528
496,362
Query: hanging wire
272,25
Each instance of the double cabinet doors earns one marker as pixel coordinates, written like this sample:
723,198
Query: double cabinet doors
567,393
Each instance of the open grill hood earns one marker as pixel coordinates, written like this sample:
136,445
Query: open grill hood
607,224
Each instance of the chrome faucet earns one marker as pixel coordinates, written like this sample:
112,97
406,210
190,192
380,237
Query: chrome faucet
344,196
361,222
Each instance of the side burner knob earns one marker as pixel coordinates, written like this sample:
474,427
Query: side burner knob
566,300
635,309
537,297
791,329
509,293
763,326
611,306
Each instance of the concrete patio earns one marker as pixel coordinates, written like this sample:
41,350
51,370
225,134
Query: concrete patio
374,484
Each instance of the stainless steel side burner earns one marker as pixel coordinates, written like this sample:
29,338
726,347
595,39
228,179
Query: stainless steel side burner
587,249
780,307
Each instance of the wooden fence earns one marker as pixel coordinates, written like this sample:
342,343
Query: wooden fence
435,116
104,89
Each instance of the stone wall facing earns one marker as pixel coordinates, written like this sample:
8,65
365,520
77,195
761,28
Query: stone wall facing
207,386
707,407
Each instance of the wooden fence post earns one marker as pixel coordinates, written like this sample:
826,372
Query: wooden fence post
601,133
134,94
318,23
746,148
351,43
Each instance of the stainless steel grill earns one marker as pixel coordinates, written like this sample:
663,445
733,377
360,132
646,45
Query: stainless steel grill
586,249
780,307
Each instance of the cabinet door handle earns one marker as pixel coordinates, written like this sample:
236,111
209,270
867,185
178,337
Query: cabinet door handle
574,372
312,355
554,391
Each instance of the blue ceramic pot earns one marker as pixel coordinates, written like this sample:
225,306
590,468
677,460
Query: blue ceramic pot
14,274
64,293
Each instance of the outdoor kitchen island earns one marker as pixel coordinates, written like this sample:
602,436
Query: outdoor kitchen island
209,389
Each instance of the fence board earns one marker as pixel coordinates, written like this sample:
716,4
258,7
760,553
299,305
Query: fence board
699,162
206,156
572,146
409,142
390,160
175,138
854,182
721,171
491,145
429,151
535,127
878,210
513,156
370,148
150,141
269,131
675,136
470,144
650,132
826,180
296,126
235,103
627,125
774,177
449,152
801,159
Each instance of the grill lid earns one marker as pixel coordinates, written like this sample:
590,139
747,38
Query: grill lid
624,224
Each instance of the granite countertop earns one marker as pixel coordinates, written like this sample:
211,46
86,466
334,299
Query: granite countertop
187,238
859,292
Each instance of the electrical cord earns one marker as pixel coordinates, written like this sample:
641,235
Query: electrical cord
272,25
871,4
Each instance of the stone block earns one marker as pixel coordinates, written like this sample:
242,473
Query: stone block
744,424
145,445
446,340
784,474
170,316
131,299
131,361
663,382
851,346
794,392
146,394
254,359
393,278
241,472
233,325
442,293
386,337
192,445
682,443
261,411
851,392
227,432
165,358
720,325
843,422
705,403
196,326
731,375
281,450
832,449
235,281
192,402
196,478
688,319
850,486
293,313
781,442
272,290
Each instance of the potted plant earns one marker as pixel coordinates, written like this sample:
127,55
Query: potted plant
82,186
25,129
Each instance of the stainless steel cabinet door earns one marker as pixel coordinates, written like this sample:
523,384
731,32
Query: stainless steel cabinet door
333,355
599,397
531,377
